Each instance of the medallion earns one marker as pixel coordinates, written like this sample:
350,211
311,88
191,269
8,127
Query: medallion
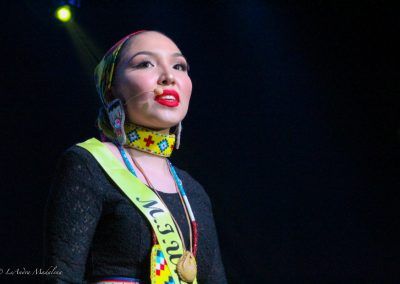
187,267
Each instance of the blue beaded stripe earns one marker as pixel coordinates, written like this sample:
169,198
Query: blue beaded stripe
183,193
126,160
176,178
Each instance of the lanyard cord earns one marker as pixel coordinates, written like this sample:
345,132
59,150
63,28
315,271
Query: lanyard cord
192,224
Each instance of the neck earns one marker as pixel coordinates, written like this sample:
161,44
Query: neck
149,161
163,131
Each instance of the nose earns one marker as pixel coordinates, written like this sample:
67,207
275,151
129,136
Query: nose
166,78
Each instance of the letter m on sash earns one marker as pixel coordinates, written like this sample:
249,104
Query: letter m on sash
150,205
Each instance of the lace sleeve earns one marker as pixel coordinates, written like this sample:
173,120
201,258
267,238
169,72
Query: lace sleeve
73,209
217,273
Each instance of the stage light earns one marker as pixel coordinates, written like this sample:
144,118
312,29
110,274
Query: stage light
64,13
65,9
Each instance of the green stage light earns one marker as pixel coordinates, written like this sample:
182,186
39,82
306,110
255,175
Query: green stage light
63,13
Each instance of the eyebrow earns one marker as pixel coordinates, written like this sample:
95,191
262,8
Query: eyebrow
176,54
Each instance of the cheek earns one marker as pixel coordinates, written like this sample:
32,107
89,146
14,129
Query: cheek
187,88
139,102
132,86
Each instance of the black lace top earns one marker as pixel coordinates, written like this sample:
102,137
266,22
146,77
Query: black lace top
94,231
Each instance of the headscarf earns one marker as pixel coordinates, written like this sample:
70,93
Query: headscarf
105,70
103,76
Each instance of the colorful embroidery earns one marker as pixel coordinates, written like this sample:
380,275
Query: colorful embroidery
160,273
163,145
149,141
133,136
118,280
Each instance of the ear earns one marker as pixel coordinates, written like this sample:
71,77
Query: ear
116,94
109,95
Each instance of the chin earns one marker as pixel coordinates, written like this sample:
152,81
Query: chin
159,120
165,122
164,125
158,125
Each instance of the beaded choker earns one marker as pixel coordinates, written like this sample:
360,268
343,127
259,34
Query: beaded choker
150,141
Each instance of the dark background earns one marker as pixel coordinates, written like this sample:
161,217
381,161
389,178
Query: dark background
293,127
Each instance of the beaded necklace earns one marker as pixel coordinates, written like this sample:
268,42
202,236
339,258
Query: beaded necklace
186,206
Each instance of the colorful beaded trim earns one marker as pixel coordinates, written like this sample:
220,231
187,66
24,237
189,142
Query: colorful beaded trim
118,280
149,141
160,273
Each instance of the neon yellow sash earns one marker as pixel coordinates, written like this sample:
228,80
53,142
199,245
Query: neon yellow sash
145,200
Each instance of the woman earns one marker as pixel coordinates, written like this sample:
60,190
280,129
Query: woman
103,224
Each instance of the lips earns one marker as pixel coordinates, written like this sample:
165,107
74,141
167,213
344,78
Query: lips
169,98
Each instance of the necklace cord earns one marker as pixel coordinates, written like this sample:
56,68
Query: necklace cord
190,224
186,213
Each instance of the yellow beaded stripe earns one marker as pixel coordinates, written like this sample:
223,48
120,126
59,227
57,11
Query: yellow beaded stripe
149,141
159,273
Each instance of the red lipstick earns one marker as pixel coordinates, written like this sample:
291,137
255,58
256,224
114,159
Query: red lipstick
169,98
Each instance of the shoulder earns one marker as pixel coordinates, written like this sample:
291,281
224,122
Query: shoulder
77,154
192,187
187,178
77,158
77,177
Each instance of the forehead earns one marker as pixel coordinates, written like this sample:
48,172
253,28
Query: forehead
150,41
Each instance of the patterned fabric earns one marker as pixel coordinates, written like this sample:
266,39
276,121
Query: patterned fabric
149,141
159,273
118,280
104,72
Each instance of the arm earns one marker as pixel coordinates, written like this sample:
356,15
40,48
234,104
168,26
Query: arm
72,213
216,274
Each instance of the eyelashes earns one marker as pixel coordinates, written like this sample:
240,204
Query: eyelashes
148,64
144,64
182,67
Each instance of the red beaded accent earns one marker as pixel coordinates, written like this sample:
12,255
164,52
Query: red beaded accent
195,237
154,237
148,140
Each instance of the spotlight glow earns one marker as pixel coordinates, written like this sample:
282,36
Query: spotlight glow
63,13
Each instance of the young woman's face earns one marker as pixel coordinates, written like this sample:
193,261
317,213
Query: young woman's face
150,60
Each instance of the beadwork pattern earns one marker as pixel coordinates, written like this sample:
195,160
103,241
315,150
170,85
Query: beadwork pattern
160,273
149,141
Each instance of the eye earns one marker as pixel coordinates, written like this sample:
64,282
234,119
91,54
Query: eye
144,64
181,67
